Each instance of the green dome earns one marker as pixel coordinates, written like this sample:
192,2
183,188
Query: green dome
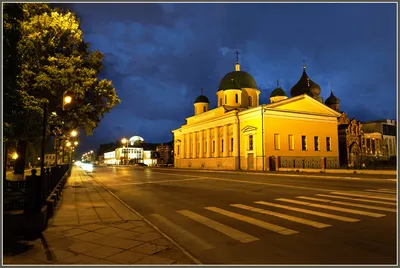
278,92
332,100
237,80
202,98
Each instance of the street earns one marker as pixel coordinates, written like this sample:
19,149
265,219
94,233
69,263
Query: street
234,218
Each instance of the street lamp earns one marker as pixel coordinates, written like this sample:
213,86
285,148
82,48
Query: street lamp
76,143
74,133
66,100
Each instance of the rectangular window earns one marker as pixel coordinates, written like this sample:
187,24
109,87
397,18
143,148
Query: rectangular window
226,99
222,145
213,147
237,98
316,143
250,142
231,144
178,150
328,144
277,142
304,143
291,142
205,147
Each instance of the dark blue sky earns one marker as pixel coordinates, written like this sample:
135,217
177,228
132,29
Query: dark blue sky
160,55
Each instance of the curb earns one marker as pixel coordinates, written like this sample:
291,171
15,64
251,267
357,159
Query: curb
147,221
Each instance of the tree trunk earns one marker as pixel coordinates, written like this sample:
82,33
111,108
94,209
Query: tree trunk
19,167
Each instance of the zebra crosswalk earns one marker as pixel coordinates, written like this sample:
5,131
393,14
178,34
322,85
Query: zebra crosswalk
326,210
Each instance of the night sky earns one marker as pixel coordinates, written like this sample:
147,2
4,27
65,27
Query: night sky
160,55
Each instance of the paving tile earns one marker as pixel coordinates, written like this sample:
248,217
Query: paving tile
91,227
126,257
58,229
103,252
73,232
147,237
89,236
126,234
108,230
88,260
129,225
62,243
20,260
148,248
89,221
73,259
57,222
116,242
60,254
144,229
155,260
81,247
161,242
51,236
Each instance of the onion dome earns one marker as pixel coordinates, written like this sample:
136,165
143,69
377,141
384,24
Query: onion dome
237,79
278,91
332,99
305,86
202,98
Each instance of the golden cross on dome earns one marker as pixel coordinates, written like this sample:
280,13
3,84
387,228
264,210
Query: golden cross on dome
304,64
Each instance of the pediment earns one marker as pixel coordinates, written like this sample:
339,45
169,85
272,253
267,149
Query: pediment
303,104
249,129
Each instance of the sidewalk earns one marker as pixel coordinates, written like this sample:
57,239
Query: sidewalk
91,226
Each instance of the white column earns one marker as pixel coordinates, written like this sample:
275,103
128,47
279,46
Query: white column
201,149
217,141
188,145
208,142
182,149
235,140
226,142
194,145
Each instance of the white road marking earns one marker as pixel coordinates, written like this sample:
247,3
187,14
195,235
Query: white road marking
283,216
353,211
312,212
155,182
226,230
188,238
262,224
358,199
348,204
363,195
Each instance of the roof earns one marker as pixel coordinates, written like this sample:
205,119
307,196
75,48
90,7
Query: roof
305,86
237,80
278,92
332,99
201,98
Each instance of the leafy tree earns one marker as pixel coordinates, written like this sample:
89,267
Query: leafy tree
46,58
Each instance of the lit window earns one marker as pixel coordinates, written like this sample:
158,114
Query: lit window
291,142
277,142
304,143
328,144
237,98
250,101
316,143
250,142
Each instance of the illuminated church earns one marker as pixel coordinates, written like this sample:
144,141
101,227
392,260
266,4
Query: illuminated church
300,132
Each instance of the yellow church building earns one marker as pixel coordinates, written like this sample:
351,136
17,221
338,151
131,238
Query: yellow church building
288,133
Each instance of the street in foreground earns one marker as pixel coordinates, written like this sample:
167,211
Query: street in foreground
233,218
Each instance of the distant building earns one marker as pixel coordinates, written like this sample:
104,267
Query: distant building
380,138
136,151
288,133
49,159
165,151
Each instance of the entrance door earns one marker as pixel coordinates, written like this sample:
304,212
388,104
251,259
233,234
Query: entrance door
250,161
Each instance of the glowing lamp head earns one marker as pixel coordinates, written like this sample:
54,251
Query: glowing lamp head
67,99
15,156
74,133
68,144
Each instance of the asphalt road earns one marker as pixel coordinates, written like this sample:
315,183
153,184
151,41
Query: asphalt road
296,220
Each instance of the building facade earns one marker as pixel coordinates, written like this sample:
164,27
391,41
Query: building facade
288,133
380,138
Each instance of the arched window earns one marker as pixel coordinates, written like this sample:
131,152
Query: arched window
220,102
237,98
226,99
250,101
204,108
